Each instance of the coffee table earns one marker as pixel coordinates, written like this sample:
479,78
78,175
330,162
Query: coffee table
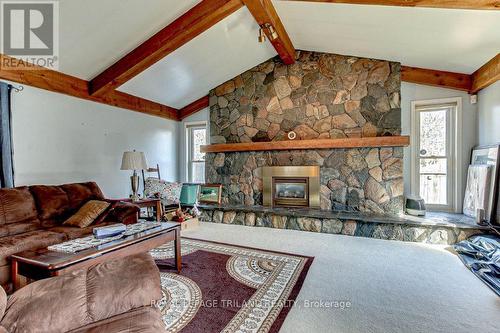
43,263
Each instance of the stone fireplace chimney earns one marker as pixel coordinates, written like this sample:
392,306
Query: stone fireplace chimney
320,96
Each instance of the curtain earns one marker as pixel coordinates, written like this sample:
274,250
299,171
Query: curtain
6,167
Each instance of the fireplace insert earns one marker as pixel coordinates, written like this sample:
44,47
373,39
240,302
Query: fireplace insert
291,192
291,186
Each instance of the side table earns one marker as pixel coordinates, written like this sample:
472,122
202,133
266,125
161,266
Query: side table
147,203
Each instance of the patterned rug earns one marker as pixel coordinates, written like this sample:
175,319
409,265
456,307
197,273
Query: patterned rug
228,288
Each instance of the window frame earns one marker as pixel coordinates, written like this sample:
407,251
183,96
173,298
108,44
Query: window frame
188,130
454,153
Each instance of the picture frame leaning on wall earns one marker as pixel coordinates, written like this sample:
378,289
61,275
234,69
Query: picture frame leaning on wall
490,155
210,194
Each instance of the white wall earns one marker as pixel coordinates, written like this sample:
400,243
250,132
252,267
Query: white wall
61,139
199,116
415,92
489,115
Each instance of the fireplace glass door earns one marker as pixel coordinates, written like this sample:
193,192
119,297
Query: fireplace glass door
290,192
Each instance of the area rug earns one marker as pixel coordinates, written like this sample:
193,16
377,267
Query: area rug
228,288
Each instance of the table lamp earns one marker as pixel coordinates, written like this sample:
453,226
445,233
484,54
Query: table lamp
134,160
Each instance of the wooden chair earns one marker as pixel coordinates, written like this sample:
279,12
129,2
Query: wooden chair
144,174
150,170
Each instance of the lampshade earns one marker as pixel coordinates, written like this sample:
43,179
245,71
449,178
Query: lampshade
134,160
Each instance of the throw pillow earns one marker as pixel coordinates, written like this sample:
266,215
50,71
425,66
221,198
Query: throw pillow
171,194
168,192
87,214
152,187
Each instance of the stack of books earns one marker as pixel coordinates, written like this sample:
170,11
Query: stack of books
109,231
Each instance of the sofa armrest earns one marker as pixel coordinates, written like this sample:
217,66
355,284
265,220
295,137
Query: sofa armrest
123,212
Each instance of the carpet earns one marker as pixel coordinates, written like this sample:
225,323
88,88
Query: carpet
393,287
228,288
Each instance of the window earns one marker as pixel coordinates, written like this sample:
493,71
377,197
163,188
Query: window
196,137
436,170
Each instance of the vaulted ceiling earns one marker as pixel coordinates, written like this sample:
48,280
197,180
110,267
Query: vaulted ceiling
222,52
94,34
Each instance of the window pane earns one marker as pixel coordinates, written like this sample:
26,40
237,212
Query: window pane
433,189
433,165
199,138
198,172
433,133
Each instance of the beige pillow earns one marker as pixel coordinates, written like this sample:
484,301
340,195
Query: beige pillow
87,213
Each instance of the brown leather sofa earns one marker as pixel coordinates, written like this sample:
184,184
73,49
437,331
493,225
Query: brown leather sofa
31,217
115,296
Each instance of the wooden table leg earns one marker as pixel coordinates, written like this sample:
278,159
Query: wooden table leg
14,273
158,211
177,244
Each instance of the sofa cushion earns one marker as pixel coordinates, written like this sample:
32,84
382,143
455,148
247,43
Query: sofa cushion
17,205
146,319
49,223
80,193
18,228
79,298
87,214
52,201
27,241
75,232
122,296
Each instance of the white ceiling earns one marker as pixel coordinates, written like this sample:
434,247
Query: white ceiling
95,33
445,39
225,50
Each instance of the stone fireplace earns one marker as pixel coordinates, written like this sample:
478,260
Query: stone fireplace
351,103
320,96
291,186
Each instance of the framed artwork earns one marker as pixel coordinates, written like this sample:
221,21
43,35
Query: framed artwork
490,155
210,193
477,190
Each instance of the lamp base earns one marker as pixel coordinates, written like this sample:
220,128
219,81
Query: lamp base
134,181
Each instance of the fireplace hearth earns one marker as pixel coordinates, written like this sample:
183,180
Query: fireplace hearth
291,186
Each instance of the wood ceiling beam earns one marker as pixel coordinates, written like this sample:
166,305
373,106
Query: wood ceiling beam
488,74
194,107
449,4
263,11
16,70
436,78
191,24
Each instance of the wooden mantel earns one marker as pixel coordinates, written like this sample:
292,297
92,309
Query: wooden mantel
379,141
